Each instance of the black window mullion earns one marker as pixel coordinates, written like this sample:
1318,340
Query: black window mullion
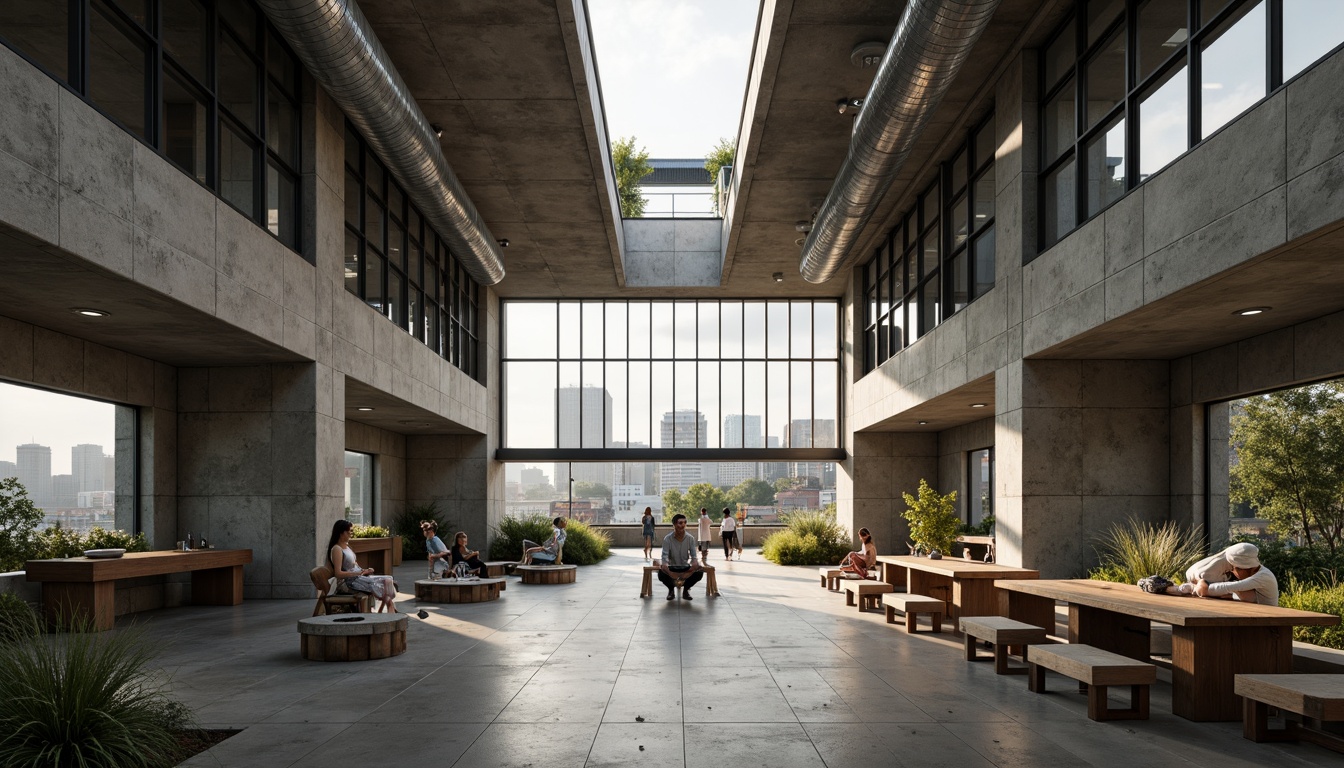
1274,45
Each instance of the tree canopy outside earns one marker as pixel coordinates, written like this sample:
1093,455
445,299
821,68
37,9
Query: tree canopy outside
721,155
631,166
584,489
1290,461
753,493
689,504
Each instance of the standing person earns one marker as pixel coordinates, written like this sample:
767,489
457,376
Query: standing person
702,535
648,533
860,562
357,579
741,533
728,532
437,552
679,558
469,556
550,551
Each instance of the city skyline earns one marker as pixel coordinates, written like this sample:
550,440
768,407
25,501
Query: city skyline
54,420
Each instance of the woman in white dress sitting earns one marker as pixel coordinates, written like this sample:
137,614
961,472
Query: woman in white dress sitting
357,579
858,563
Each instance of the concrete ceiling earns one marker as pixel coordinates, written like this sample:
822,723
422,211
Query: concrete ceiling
392,413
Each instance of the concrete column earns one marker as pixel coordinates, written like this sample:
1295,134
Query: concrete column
882,466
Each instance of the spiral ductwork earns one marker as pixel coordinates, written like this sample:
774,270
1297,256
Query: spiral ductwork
336,43
932,41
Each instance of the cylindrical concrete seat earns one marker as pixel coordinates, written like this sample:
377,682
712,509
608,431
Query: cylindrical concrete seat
352,637
458,590
548,574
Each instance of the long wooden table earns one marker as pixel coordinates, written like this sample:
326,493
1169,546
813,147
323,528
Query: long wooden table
82,589
965,585
1211,640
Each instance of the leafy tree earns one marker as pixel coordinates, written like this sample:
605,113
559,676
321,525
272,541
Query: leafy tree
544,492
933,524
753,492
1290,461
585,489
699,495
784,484
631,165
19,519
721,155
673,504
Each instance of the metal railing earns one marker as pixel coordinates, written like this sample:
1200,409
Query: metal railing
678,205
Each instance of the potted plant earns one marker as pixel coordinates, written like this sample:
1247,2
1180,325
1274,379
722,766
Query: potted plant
933,524
373,545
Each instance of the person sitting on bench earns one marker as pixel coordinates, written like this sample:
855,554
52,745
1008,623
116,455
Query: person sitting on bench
679,560
548,553
859,562
469,556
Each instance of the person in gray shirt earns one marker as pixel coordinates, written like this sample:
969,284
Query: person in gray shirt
679,560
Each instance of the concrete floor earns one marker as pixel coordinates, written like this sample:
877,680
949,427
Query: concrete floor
777,672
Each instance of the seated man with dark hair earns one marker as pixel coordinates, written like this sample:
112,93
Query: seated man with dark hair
679,560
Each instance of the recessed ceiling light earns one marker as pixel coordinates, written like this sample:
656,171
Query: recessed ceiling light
86,312
923,422
1249,311
977,405
778,277
364,408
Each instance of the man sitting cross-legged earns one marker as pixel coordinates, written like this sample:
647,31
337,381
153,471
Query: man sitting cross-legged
679,560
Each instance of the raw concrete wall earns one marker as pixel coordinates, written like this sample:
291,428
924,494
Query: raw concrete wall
953,446
672,252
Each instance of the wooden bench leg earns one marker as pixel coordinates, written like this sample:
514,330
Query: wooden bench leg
970,648
937,619
849,598
1035,678
1000,659
1099,709
911,622
1255,724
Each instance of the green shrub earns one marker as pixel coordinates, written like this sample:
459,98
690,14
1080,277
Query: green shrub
1310,565
86,699
17,618
1131,550
100,538
19,519
812,538
407,526
1322,598
933,523
368,532
584,545
59,541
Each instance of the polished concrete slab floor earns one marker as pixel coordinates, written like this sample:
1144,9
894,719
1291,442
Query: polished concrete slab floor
776,672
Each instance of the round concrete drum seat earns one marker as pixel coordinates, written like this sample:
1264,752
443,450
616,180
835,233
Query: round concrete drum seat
353,637
458,590
548,574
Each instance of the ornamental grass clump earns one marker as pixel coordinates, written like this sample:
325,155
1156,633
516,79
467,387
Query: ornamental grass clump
1318,597
813,537
85,698
1132,550
584,545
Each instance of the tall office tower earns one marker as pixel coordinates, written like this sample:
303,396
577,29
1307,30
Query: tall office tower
740,431
87,467
64,492
585,422
530,477
681,429
109,473
812,433
8,469
35,472
770,471
639,473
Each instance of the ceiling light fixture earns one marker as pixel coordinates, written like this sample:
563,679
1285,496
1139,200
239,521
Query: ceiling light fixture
364,408
977,405
802,225
504,242
438,129
1249,311
87,312
922,423
867,55
847,106
778,277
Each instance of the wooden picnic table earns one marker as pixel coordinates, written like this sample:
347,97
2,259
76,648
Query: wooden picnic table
1211,640
83,589
965,585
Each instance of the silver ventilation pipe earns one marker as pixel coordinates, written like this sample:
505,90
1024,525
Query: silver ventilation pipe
932,41
336,43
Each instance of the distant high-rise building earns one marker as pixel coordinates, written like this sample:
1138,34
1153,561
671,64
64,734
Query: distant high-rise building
34,472
681,429
109,473
530,477
585,421
8,469
64,492
812,433
87,466
770,471
740,431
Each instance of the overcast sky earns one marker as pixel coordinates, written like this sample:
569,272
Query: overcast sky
673,73
59,422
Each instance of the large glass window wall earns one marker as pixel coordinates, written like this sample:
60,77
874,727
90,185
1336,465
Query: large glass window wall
1128,86
681,376
401,267
207,83
939,258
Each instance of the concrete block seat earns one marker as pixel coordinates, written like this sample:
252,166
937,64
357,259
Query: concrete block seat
352,637
547,574
1098,670
458,590
1002,634
868,593
912,606
1318,699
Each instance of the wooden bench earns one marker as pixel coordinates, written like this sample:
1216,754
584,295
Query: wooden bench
1317,698
1097,670
869,593
1001,633
912,606
710,580
79,589
830,577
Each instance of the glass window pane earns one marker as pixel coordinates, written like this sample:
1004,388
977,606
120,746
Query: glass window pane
351,262
415,305
777,329
1059,56
985,144
1105,172
1161,33
617,323
824,333
958,172
353,192
959,281
375,221
639,330
240,17
1163,115
1058,124
983,265
1232,68
641,415
958,223
684,313
777,400
529,405
618,432
903,334
1210,8
184,36
825,399
661,403
1105,79
374,266
359,507
118,70
983,196
662,330
730,397
237,82
753,330
931,256
593,325
1059,215
898,281
281,134
41,29
708,404
529,329
396,296
431,328
1311,28
569,409
374,175
281,64
595,419
800,329
931,305
1100,15
281,217
753,395
708,325
930,206
569,329
237,170
730,330
184,126
415,262
800,404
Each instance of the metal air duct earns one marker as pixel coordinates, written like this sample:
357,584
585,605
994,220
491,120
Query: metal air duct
336,44
932,41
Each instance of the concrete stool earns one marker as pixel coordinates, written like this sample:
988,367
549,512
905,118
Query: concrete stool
458,590
1000,632
355,637
548,574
